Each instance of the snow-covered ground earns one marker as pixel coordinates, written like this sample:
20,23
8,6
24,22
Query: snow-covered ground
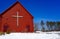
38,35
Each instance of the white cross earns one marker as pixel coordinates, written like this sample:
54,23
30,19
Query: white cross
17,16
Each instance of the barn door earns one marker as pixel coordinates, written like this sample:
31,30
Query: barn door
28,28
5,28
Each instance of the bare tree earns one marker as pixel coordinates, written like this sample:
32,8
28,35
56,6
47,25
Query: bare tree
47,23
36,27
42,24
58,26
51,25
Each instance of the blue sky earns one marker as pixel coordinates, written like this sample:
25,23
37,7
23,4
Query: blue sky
40,9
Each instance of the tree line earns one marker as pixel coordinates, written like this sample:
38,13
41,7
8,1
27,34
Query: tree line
51,26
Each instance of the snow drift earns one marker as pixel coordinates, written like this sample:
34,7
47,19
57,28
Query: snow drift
40,35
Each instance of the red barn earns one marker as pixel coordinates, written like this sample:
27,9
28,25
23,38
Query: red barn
16,19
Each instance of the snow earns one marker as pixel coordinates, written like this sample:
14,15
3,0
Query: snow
39,35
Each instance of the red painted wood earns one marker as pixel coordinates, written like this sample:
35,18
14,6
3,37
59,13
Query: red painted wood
7,19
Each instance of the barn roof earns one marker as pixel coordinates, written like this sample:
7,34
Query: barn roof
12,6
